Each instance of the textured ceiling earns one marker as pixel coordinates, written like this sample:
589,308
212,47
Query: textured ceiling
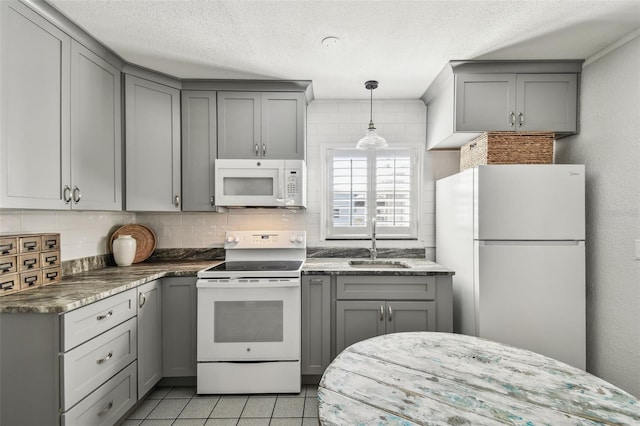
403,44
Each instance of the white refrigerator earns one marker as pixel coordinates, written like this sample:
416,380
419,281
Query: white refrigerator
514,235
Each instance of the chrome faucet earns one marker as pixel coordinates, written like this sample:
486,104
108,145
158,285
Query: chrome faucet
373,250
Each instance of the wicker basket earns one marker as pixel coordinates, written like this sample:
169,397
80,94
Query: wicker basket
508,148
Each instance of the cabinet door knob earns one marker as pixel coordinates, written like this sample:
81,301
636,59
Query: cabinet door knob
512,119
66,194
77,195
521,118
176,201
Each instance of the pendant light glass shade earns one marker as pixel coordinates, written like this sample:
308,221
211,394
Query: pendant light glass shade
371,140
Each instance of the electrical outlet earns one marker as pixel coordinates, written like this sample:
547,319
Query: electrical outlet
637,255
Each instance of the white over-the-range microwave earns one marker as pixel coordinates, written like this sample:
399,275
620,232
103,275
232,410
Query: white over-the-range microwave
260,183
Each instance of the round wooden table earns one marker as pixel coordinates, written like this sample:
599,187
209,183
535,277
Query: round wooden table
451,379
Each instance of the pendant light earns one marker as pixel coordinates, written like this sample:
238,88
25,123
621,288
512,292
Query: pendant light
371,140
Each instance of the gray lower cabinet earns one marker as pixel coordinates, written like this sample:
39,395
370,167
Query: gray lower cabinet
316,323
149,336
261,125
199,150
152,115
369,306
179,316
78,367
61,118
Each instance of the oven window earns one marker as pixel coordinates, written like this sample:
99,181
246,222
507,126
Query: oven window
248,186
248,321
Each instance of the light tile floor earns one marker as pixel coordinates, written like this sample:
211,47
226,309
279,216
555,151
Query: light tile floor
181,406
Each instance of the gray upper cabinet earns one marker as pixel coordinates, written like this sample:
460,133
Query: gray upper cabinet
34,144
96,138
261,125
199,150
471,97
61,121
152,114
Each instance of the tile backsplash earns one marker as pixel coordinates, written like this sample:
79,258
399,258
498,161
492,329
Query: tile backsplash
329,123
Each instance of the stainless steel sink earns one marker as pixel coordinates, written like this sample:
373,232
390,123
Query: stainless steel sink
374,264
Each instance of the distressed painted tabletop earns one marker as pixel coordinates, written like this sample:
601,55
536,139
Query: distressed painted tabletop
450,379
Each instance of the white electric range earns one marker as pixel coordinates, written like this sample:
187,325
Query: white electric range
249,315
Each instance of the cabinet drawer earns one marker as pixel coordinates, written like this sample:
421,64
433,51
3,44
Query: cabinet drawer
91,364
379,287
87,322
108,403
8,265
49,259
30,279
9,283
8,245
50,242
51,275
29,244
28,262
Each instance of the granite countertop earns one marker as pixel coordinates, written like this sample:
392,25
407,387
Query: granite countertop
77,290
80,289
340,266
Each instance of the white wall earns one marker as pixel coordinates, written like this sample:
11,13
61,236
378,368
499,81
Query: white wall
82,234
335,123
609,146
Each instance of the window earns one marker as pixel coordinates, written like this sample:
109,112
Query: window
373,183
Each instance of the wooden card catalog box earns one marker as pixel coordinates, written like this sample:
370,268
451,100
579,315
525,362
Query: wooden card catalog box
29,260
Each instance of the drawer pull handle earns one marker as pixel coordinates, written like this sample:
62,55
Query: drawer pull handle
30,245
381,313
29,263
142,300
77,195
390,313
264,150
51,259
51,243
256,150
315,280
176,200
6,266
66,194
105,409
6,248
106,358
51,275
31,280
7,285
105,316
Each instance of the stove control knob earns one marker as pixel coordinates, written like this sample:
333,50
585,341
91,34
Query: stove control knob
297,238
232,239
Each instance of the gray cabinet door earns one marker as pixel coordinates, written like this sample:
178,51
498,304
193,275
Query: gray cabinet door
96,139
547,102
485,102
283,125
199,150
179,316
149,336
239,125
152,115
316,323
358,320
34,138
410,316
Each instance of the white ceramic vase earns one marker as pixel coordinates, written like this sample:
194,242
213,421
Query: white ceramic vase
124,250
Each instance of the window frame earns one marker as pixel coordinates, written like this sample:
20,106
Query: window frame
330,232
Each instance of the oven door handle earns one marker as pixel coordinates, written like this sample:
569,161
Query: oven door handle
283,283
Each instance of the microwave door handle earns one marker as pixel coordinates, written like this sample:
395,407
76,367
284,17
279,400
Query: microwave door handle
281,187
